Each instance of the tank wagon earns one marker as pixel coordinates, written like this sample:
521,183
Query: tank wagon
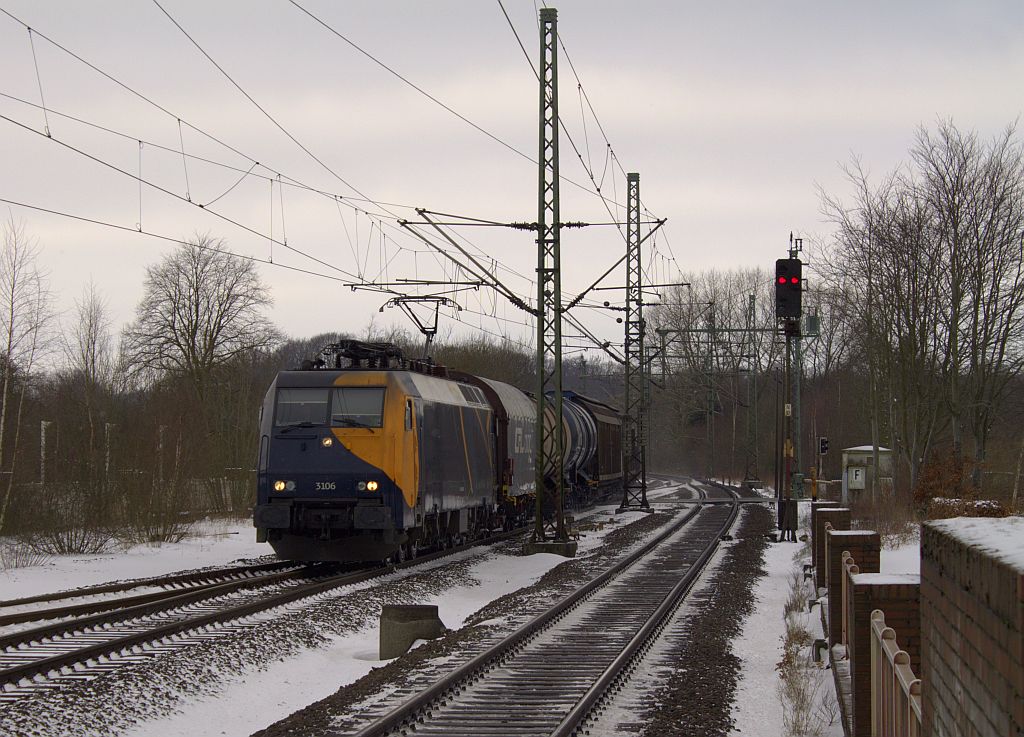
383,457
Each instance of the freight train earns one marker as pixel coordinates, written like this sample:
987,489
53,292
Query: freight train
383,457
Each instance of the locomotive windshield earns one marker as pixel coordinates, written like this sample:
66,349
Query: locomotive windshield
298,406
340,407
357,407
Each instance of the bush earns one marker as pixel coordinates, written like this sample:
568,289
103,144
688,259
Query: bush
945,508
891,515
65,519
942,475
151,511
809,707
20,554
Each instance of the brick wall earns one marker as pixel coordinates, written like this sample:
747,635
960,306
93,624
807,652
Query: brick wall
972,644
815,506
865,547
839,518
898,596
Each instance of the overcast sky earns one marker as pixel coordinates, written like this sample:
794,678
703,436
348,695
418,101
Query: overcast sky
733,114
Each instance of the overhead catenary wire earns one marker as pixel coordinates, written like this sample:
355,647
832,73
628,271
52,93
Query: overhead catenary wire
244,173
177,118
610,152
175,195
39,82
167,238
179,122
347,200
259,107
386,247
434,99
246,257
362,270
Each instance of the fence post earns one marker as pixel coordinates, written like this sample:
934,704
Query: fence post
849,569
877,625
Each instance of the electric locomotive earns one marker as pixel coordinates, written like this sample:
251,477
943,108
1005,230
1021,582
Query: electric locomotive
383,457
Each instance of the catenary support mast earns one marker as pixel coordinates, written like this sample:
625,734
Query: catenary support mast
550,438
634,438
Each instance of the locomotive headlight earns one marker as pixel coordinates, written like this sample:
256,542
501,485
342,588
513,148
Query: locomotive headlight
327,442
289,485
279,486
371,486
361,486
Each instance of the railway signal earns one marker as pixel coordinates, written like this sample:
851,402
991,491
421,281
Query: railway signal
822,446
788,287
789,309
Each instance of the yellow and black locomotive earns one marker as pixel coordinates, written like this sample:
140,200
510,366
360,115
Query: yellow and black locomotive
384,457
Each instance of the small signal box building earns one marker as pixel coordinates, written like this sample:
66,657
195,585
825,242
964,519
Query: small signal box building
859,473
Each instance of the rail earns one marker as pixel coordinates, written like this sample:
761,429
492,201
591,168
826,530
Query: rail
423,710
103,638
895,691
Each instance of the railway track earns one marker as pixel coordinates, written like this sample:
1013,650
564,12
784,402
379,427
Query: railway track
549,676
18,611
47,657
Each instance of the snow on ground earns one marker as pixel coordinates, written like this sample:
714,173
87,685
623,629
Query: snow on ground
757,709
215,543
904,559
255,698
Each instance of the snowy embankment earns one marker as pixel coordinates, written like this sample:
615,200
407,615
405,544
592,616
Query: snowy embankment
257,697
215,543
758,708
242,697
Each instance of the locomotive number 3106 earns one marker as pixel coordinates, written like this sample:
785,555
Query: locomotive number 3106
325,486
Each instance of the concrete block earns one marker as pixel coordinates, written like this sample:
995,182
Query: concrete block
566,549
402,624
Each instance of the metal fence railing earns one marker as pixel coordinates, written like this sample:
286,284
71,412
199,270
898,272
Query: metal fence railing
850,568
895,691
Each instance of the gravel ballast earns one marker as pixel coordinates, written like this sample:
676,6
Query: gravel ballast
696,696
422,666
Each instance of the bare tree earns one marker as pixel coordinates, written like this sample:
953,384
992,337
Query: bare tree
89,363
947,162
709,358
932,265
888,262
977,193
202,308
25,315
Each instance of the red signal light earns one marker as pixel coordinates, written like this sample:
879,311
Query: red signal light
782,280
794,280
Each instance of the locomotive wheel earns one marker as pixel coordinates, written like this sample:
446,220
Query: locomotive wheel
398,556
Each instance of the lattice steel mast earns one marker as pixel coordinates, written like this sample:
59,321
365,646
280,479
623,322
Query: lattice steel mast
550,441
750,471
634,439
